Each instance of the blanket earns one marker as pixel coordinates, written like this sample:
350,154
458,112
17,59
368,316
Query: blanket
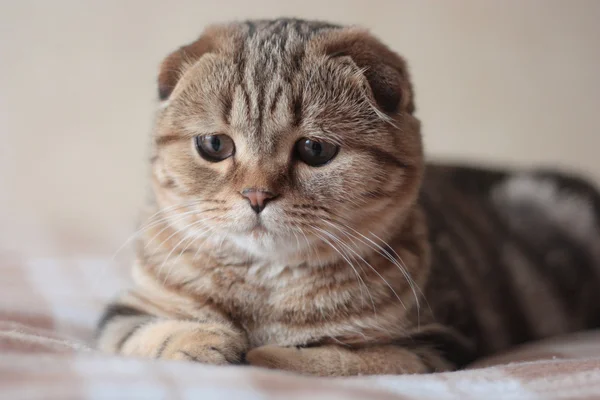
48,309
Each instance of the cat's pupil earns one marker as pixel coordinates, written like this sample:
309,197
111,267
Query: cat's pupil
316,148
215,142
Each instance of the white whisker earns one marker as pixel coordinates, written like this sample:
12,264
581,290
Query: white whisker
358,277
185,237
178,218
213,230
376,272
150,223
384,253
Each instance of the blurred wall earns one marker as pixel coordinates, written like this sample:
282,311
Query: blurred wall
513,82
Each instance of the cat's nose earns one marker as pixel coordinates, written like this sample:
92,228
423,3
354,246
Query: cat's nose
258,198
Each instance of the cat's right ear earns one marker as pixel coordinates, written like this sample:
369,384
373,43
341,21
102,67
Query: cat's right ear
385,71
174,66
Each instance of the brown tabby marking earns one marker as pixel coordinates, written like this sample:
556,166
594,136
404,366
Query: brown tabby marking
335,276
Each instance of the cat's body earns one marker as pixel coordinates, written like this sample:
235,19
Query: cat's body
291,226
515,254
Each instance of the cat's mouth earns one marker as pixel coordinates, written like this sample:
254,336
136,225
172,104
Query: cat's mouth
258,229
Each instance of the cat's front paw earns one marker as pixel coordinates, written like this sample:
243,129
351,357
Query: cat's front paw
206,342
274,357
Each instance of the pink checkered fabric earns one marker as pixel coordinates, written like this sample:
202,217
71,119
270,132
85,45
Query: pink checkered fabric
48,308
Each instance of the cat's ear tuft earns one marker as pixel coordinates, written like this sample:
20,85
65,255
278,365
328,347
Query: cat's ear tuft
385,70
176,63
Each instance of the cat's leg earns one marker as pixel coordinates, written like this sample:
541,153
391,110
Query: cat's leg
132,331
334,360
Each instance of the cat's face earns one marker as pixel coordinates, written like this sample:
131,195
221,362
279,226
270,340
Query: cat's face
278,147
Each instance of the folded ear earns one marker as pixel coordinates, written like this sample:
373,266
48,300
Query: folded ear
385,70
176,63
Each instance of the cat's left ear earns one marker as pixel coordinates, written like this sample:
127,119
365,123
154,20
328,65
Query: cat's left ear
385,70
174,66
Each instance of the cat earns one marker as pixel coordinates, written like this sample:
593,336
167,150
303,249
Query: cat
295,225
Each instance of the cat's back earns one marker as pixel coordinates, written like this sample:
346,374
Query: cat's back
515,254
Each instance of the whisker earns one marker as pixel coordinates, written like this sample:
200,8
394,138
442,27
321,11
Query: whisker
399,259
409,278
297,240
194,239
172,207
149,223
186,237
178,218
308,245
177,231
359,279
384,253
206,239
376,272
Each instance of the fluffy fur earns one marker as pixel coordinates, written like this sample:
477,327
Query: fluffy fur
343,272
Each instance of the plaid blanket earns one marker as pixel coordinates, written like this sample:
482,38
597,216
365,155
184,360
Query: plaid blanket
48,309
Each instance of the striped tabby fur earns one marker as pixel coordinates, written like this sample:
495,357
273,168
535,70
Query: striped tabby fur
370,264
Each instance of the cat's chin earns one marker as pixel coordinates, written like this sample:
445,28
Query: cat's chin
264,243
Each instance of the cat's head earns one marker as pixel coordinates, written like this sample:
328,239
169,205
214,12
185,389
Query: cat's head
277,135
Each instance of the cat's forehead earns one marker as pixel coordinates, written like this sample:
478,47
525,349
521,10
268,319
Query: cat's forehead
270,31
269,84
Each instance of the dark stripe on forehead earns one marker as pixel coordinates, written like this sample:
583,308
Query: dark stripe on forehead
285,25
240,61
273,50
309,28
275,99
296,60
296,110
260,97
270,23
282,42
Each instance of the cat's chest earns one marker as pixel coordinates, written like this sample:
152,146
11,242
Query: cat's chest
287,306
282,305
257,292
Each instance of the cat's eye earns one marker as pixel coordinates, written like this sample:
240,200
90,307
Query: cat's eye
215,148
315,153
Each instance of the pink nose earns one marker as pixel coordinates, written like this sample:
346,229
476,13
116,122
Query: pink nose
258,198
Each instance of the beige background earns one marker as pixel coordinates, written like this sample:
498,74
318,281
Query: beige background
503,82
